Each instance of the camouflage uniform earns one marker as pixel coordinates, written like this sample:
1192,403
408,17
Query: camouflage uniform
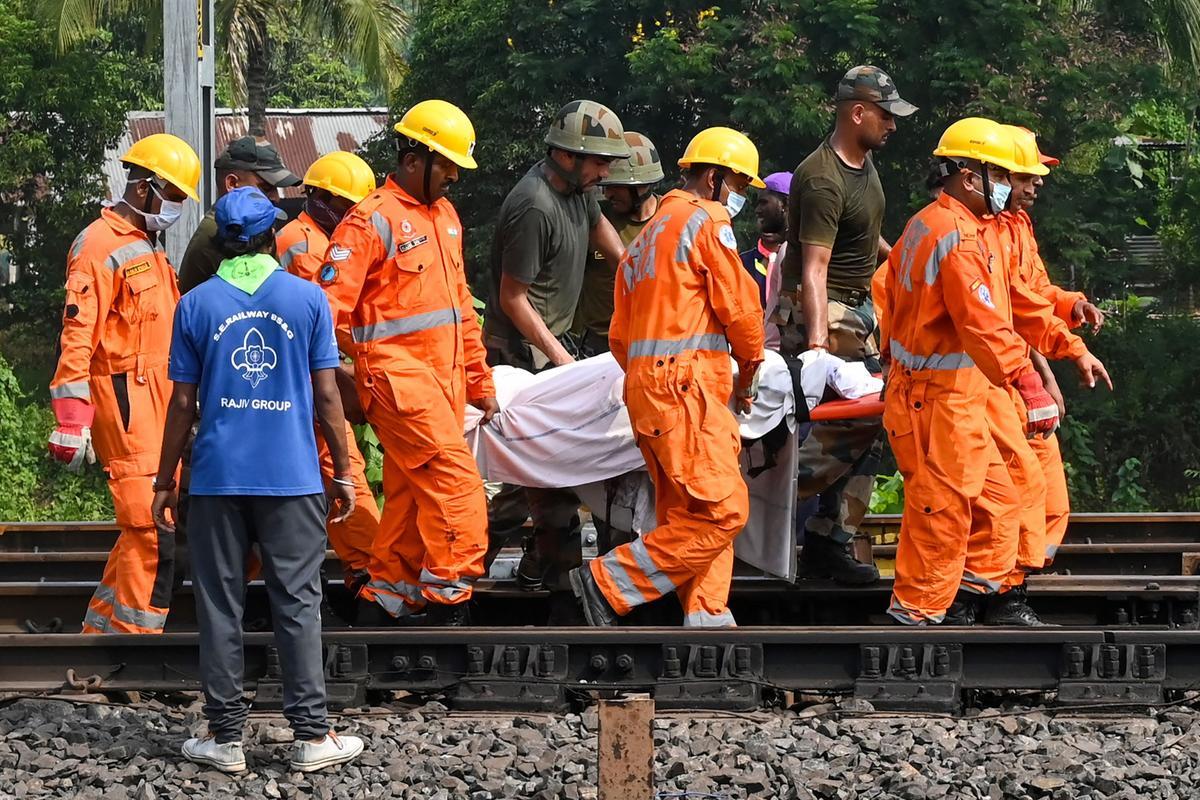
552,263
838,460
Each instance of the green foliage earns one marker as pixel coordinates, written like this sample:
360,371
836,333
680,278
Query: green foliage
1147,432
306,71
372,451
57,114
1129,494
35,487
887,497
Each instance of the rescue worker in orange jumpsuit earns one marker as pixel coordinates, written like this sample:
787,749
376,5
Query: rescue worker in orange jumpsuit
334,182
683,302
110,388
1037,307
947,342
394,274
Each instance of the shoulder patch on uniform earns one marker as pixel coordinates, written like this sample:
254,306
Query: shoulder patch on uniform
328,274
339,253
452,230
725,235
137,269
984,294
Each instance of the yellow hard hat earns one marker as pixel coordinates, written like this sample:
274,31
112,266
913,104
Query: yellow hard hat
169,158
724,147
441,127
1026,151
343,174
979,139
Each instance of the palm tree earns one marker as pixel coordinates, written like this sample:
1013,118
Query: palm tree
372,34
1176,23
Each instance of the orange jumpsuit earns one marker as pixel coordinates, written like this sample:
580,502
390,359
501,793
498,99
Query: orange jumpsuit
301,246
116,334
947,343
1030,268
682,300
394,275
1034,320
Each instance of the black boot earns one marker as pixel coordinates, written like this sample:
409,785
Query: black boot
596,609
965,610
440,615
370,614
1012,608
822,557
531,572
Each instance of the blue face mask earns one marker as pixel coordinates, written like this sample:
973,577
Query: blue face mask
734,203
999,198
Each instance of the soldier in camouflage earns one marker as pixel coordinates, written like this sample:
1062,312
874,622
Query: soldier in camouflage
835,213
547,226
630,203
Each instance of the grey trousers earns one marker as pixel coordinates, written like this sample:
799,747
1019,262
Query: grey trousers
290,532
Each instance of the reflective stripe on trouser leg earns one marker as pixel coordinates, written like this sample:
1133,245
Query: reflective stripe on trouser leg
398,550
397,599
691,535
995,531
705,597
353,538
449,592
942,448
1058,501
431,485
134,594
1007,423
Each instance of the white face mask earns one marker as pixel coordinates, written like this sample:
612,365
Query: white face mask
734,203
168,214
999,199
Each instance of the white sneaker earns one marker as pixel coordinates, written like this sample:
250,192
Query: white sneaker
226,757
333,749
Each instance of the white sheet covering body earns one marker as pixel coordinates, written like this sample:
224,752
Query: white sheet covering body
568,427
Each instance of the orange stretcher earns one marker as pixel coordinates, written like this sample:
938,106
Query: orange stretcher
869,406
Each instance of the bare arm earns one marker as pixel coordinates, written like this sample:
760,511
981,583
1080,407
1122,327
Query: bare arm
814,294
885,250
181,413
514,302
605,239
327,400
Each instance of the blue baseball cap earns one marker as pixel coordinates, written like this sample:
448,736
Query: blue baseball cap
245,213
780,182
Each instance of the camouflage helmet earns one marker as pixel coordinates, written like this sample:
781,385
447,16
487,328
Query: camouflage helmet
588,128
644,167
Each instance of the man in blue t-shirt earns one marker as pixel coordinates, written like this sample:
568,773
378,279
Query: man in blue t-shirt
255,347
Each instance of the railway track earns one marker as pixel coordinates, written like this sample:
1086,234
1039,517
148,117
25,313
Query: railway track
1125,594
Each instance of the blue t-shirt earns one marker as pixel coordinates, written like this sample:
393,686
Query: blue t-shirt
252,356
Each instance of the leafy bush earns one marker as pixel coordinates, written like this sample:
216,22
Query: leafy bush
36,488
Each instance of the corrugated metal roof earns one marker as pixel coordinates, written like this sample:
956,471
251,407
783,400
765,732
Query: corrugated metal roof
300,134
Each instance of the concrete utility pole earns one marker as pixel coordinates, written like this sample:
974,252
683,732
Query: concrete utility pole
189,70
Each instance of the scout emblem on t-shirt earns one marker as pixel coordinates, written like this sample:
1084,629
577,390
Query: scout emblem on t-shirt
254,358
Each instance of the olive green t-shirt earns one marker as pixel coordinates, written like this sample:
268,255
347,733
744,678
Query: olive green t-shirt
541,239
202,257
595,309
840,207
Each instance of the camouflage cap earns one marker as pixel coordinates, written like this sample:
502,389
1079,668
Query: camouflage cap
588,128
644,167
872,84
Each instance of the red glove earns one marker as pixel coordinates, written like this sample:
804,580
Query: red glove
1043,411
71,442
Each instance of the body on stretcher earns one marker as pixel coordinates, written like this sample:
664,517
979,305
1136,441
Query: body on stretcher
568,428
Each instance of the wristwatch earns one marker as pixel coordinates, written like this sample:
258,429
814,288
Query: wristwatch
164,487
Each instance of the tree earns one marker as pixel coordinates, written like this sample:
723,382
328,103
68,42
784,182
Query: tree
370,33
58,113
